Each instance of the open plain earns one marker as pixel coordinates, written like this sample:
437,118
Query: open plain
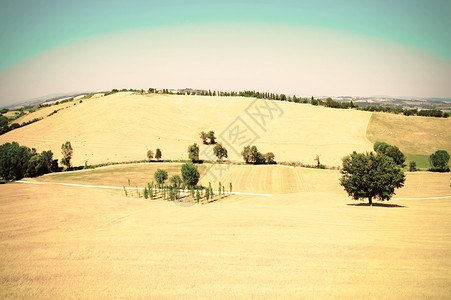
304,239
74,242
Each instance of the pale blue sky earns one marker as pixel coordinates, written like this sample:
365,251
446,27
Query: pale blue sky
33,31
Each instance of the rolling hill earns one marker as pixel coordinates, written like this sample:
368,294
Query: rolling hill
123,126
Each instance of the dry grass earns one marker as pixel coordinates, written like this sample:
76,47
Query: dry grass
122,127
413,135
44,112
270,179
68,242
118,175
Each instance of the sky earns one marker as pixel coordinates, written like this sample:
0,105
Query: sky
321,48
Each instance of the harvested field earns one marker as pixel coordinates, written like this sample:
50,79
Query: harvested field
123,126
62,242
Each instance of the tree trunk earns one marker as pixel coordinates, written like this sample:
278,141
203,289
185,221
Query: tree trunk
370,201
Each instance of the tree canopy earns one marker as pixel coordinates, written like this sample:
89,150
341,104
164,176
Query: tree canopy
160,176
158,154
18,161
371,175
67,151
193,152
439,161
391,151
220,151
251,155
190,174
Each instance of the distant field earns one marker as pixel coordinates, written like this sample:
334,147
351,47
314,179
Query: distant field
123,126
269,179
43,112
414,135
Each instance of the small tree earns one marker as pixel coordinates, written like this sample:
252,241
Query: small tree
197,196
220,151
251,155
204,136
318,161
439,161
412,166
176,181
158,154
149,155
190,174
269,158
207,193
160,176
371,176
211,136
193,152
66,150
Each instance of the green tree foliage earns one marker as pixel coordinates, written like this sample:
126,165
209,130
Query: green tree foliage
220,151
380,147
211,136
412,166
14,161
251,155
160,176
371,176
439,161
176,181
396,154
204,136
40,164
149,155
208,138
193,152
269,158
158,154
3,121
190,174
67,151
392,151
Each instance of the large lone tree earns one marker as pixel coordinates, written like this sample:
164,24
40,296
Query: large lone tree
371,175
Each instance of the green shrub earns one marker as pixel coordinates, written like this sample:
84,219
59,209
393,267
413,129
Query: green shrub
439,161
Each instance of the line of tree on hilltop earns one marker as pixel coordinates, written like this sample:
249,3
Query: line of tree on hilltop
329,102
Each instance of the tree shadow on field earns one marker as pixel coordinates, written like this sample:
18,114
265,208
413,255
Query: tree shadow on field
376,204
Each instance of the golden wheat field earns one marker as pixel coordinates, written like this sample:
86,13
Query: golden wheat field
304,238
74,242
123,126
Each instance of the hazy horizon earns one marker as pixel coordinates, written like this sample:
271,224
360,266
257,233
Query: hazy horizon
292,47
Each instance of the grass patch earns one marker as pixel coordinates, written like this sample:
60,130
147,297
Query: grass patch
421,160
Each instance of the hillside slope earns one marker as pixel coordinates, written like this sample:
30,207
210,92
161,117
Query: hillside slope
123,126
413,135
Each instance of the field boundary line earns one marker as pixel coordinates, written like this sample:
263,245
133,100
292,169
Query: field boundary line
428,198
119,188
